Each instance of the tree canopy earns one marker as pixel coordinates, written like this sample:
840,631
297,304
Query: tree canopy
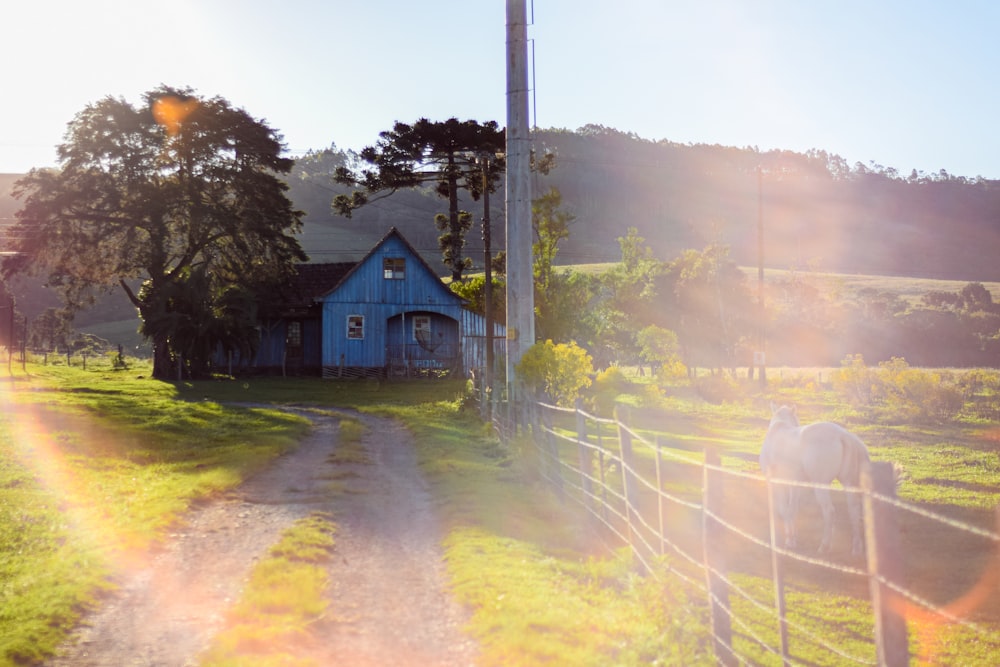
181,192
445,154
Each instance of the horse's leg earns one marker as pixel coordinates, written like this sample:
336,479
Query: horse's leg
854,511
826,505
790,510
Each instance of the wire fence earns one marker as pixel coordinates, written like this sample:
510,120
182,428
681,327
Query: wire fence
688,517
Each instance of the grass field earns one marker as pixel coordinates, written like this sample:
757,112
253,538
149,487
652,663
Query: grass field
124,488
951,468
847,284
540,588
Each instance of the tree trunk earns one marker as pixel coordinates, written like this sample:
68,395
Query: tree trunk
162,363
457,265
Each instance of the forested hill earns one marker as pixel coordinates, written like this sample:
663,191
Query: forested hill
818,211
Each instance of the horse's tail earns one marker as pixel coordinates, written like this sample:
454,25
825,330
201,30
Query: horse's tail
855,454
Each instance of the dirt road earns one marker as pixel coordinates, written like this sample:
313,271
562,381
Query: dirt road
389,601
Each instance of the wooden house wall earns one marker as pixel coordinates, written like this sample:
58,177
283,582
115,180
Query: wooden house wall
368,293
474,341
271,350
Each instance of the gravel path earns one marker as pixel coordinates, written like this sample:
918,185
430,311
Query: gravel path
389,601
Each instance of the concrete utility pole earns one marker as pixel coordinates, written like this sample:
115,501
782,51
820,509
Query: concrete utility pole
488,270
520,282
760,358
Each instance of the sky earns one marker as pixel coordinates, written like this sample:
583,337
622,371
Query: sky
907,84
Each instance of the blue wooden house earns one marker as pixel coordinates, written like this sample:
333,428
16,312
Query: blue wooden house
387,315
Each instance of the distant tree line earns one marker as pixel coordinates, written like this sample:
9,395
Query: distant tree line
700,309
818,210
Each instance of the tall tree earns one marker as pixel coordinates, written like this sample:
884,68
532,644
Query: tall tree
179,186
704,298
550,224
631,301
440,153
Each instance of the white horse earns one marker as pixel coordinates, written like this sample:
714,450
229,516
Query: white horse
816,453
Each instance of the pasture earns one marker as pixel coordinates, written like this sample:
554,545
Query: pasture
514,555
541,584
950,470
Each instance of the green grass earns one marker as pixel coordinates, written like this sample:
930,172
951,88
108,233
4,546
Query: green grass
563,597
536,608
95,465
47,569
272,622
539,588
951,468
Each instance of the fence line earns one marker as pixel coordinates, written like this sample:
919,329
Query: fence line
621,505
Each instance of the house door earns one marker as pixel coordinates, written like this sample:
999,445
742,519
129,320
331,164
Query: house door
293,345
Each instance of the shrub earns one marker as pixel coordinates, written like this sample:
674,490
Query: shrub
913,394
855,381
607,387
558,372
903,392
718,388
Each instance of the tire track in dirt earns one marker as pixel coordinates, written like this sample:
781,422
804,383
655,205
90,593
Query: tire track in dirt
389,603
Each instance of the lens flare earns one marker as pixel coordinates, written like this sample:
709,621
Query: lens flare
44,444
171,111
931,625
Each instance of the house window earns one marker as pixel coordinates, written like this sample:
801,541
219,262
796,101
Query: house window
293,337
355,327
394,268
421,328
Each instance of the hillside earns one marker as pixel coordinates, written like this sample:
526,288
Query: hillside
818,212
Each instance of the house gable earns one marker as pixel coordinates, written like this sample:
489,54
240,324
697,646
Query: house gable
393,273
390,313
391,306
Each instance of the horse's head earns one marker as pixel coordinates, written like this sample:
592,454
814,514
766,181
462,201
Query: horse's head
784,415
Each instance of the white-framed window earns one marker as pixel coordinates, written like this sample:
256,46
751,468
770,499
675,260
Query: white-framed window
355,327
421,328
394,268
293,337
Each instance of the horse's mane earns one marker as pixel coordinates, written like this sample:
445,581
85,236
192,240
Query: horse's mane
784,415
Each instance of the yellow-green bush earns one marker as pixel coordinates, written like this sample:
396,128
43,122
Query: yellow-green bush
608,385
557,372
718,388
855,381
901,392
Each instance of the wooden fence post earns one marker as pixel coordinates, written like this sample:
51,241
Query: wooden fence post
778,574
584,453
884,563
628,485
660,511
600,464
552,451
713,540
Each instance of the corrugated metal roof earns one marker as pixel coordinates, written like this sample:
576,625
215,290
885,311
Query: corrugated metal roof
303,287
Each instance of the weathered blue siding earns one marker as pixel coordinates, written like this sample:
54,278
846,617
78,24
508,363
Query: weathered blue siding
450,338
272,344
389,307
271,351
